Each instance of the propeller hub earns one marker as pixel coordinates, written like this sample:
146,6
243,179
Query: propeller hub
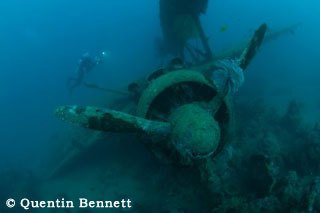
195,132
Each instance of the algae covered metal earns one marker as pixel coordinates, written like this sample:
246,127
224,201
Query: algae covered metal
182,113
186,117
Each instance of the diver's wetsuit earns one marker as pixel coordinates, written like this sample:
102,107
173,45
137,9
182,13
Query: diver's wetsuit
86,64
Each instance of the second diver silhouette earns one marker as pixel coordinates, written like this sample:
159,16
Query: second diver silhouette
85,65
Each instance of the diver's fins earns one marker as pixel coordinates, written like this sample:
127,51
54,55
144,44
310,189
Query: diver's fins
110,120
249,53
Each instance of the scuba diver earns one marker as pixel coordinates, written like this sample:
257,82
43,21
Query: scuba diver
85,65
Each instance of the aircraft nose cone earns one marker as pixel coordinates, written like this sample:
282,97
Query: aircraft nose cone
195,132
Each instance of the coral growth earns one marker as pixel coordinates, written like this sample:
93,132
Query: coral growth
274,165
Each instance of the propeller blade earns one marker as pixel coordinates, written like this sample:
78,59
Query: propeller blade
110,121
256,41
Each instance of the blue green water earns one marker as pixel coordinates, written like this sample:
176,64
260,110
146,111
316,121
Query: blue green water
42,41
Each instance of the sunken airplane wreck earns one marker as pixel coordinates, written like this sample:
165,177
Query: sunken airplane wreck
182,114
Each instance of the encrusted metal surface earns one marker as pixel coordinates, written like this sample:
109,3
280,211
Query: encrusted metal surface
166,81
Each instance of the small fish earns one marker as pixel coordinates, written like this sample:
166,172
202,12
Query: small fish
223,28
